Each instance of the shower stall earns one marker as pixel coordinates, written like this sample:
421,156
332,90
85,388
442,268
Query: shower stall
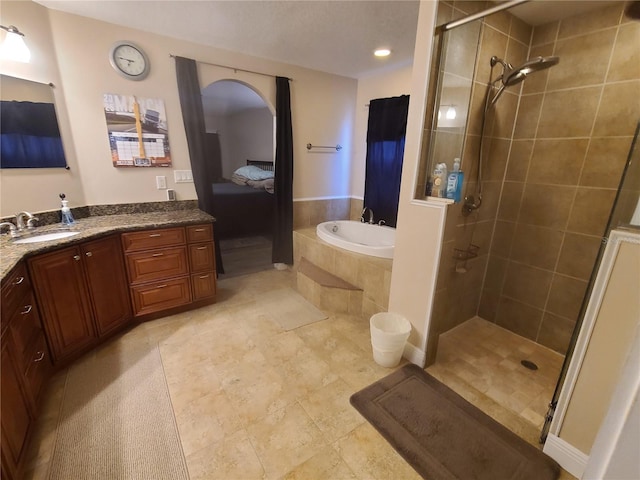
543,161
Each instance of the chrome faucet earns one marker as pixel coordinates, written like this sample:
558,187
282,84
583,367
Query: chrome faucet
370,218
13,231
30,221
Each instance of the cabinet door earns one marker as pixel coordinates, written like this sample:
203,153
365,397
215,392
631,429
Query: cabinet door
107,282
59,282
16,419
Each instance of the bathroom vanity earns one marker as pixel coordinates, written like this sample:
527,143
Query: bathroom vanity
64,297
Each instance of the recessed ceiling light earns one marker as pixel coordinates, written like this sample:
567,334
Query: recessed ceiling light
382,52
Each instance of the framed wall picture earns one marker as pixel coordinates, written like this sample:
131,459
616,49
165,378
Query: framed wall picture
137,127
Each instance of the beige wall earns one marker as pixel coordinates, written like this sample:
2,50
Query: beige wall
617,321
420,223
37,189
323,108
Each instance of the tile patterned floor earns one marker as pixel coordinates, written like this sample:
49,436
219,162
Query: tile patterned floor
253,401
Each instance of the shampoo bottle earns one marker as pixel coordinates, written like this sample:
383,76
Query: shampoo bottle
439,180
454,182
65,212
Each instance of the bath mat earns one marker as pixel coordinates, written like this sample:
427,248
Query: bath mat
442,436
290,309
116,420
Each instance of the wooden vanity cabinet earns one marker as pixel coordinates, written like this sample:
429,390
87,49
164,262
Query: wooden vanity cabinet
83,295
25,366
170,268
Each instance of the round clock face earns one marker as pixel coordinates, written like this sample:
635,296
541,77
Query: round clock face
129,60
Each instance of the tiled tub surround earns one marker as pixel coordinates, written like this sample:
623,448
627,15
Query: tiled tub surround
309,213
94,227
555,156
372,275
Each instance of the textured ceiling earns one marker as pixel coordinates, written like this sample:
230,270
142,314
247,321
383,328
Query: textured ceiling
332,36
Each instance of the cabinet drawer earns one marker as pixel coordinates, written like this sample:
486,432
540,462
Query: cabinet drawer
201,257
158,296
149,239
158,264
204,285
14,288
200,233
25,329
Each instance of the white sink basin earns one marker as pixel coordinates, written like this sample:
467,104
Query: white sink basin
45,237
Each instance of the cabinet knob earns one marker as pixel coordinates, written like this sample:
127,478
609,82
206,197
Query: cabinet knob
27,310
76,258
18,281
40,356
89,254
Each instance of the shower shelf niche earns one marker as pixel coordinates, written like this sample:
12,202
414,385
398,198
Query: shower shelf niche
471,252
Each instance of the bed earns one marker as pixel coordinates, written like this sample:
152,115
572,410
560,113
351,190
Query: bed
242,210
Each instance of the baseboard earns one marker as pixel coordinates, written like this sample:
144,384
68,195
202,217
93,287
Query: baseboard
414,355
568,456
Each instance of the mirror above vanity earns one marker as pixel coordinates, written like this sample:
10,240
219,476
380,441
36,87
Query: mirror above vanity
29,131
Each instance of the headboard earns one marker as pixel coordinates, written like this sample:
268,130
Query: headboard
262,165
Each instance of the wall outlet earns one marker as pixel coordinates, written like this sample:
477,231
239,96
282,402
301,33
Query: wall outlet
183,176
161,182
171,194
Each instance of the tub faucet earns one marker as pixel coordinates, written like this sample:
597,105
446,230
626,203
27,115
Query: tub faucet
370,218
20,221
13,231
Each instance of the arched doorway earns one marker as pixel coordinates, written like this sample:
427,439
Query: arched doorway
240,136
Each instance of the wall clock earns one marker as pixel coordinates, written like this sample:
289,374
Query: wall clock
129,60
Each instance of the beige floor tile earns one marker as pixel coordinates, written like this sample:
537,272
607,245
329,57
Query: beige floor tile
331,411
370,456
233,458
325,465
284,439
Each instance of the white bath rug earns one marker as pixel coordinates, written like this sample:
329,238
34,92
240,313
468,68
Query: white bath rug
290,309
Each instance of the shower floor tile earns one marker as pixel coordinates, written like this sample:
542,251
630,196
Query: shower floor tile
487,357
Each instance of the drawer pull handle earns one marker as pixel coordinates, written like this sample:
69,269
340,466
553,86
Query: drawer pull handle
162,286
18,281
40,357
200,230
155,235
157,255
201,248
204,276
76,258
89,254
27,310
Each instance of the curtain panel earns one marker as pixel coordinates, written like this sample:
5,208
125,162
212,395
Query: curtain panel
283,182
386,130
204,173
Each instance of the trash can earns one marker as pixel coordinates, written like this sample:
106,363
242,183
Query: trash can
389,333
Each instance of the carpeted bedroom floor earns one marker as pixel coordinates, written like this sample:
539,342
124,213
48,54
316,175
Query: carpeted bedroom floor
252,400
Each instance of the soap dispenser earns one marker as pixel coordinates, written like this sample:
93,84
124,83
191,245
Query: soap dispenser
65,212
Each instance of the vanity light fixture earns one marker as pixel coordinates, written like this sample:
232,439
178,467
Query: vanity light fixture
13,47
382,52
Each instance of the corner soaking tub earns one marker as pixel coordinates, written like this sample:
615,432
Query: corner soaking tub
365,238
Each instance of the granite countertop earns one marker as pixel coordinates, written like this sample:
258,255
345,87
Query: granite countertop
94,227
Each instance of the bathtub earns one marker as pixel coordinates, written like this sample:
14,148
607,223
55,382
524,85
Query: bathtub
365,238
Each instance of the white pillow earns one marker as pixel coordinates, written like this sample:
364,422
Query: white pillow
253,173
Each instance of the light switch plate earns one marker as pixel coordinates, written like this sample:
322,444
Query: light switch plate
161,182
183,176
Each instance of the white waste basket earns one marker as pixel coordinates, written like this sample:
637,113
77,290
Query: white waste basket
389,333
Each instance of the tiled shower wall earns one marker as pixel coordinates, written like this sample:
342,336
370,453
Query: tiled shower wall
571,140
459,283
560,153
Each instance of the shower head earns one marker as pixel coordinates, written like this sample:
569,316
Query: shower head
512,76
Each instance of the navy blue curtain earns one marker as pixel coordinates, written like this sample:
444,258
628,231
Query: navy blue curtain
385,149
204,173
283,180
29,136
